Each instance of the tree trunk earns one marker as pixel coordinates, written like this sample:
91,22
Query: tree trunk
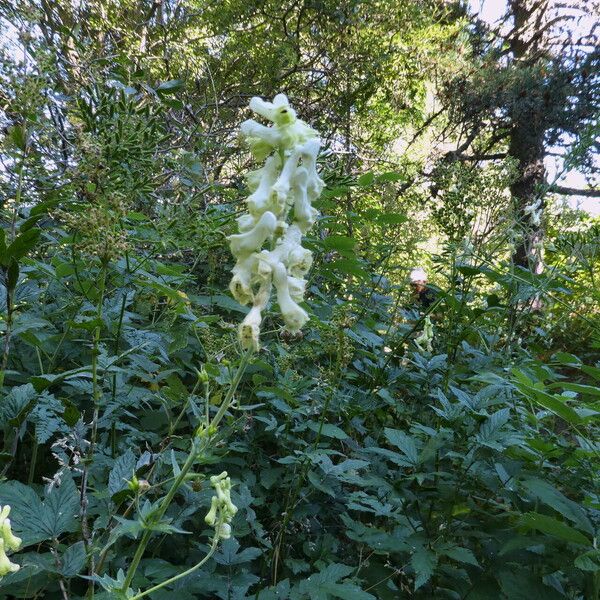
527,137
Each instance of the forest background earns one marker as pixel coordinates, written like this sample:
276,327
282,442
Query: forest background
366,461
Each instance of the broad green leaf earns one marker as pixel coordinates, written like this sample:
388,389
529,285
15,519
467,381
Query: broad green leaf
589,561
390,176
341,243
553,527
349,267
73,560
319,482
550,496
521,584
460,554
550,402
17,404
366,179
329,430
584,390
21,245
170,87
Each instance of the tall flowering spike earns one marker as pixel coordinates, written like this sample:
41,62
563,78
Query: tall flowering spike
279,212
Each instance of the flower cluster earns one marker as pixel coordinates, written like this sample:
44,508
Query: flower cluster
534,211
288,182
8,541
222,509
425,339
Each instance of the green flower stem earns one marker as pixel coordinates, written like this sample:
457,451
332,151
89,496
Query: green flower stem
189,571
232,389
194,454
158,515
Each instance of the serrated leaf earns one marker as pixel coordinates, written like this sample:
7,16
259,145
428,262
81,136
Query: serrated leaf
73,560
460,554
122,471
423,562
34,520
17,404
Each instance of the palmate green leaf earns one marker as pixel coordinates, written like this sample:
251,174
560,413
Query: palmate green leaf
280,592
319,586
35,520
404,442
229,553
553,527
69,564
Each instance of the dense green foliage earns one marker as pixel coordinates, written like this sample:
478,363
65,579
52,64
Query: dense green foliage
364,465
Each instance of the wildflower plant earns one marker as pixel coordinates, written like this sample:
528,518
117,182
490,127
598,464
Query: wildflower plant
287,184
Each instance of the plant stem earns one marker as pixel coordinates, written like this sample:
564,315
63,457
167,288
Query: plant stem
34,452
194,454
10,292
96,393
189,571
158,515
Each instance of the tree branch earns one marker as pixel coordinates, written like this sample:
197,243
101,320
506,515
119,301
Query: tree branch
568,191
